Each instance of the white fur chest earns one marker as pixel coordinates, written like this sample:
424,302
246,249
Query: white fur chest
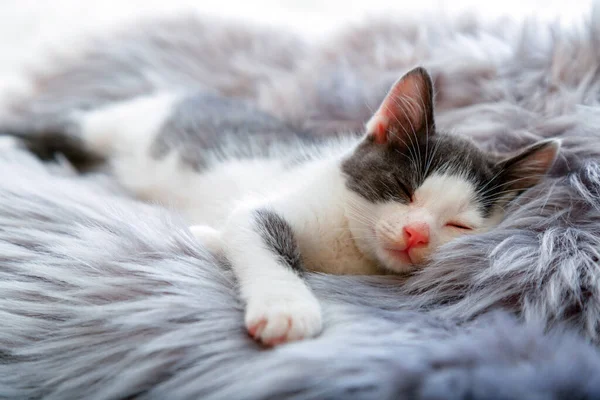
312,197
332,250
323,234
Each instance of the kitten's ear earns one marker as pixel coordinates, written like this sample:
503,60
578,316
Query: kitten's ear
527,168
406,110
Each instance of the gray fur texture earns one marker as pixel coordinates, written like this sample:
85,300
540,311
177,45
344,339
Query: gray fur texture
203,124
278,236
106,297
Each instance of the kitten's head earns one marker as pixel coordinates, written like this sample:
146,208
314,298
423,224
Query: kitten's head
413,189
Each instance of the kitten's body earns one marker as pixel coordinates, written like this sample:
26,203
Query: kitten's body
352,205
309,172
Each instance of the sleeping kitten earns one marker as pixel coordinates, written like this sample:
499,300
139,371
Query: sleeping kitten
381,202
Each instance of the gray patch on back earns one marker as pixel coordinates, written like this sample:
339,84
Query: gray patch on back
203,124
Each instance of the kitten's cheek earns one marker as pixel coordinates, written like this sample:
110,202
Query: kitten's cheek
453,234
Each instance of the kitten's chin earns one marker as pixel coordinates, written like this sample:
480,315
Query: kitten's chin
397,261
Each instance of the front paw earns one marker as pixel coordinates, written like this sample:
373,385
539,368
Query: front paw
281,319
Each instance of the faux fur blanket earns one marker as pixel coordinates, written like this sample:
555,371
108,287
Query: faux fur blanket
105,297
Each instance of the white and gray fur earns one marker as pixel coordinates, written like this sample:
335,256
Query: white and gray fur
342,210
506,97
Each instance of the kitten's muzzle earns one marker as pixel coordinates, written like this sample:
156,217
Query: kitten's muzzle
416,235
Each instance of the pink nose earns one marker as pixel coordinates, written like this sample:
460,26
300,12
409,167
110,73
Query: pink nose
416,234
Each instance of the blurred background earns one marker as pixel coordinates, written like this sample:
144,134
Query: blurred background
29,27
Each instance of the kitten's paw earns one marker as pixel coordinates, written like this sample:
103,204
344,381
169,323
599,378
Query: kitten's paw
275,320
209,237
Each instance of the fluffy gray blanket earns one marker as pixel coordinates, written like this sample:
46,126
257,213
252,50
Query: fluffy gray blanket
105,297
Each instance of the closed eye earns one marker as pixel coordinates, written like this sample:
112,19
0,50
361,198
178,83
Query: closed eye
457,225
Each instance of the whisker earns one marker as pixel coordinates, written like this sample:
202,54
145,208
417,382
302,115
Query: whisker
410,103
361,217
410,148
424,109
431,157
508,183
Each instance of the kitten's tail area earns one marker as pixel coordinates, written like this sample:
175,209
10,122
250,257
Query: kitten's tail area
49,140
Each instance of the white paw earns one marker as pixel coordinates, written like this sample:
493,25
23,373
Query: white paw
209,237
275,320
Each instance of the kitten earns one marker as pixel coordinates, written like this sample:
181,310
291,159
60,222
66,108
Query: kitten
381,202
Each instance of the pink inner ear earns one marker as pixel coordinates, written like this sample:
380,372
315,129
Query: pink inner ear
405,101
403,110
377,127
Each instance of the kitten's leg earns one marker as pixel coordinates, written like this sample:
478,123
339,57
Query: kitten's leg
122,134
125,128
128,127
262,249
209,237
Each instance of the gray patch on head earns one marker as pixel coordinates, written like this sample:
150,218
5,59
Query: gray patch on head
279,238
203,124
392,172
